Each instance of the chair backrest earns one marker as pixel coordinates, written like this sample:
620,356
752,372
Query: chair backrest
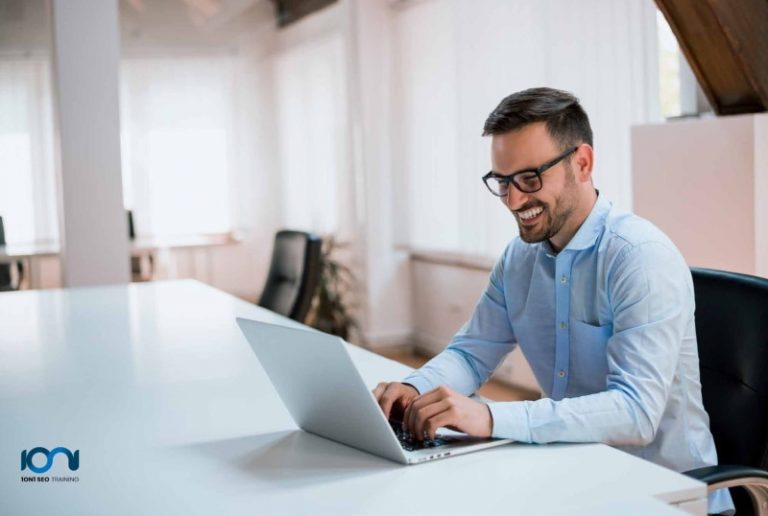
131,227
732,335
293,274
5,268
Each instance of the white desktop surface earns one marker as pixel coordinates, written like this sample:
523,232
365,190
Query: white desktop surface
173,414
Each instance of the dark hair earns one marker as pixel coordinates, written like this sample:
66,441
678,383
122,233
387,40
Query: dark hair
566,121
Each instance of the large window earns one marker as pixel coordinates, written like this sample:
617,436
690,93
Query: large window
473,54
178,130
187,91
27,173
311,118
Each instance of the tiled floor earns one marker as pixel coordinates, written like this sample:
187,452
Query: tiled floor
493,390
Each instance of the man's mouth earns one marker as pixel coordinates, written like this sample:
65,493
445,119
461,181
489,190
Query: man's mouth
531,215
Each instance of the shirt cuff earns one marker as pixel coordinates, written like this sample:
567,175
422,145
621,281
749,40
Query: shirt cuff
418,382
510,420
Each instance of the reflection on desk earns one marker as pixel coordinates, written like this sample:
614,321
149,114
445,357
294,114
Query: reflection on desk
172,413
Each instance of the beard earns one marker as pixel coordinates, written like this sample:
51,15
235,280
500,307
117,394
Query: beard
552,218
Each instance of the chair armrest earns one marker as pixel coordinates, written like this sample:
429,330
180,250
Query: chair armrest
753,480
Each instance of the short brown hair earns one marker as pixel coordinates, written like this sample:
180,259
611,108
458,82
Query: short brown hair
565,119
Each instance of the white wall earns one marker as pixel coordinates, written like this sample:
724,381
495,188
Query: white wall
704,182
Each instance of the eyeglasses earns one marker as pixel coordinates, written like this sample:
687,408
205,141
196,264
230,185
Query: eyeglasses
527,181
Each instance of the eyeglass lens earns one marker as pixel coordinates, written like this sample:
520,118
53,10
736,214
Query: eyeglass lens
528,182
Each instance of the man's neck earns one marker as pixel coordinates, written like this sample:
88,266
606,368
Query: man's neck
569,230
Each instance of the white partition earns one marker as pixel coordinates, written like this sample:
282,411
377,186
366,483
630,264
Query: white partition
704,182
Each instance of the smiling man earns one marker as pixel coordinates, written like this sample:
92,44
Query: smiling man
599,300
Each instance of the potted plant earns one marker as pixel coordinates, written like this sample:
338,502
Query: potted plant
332,305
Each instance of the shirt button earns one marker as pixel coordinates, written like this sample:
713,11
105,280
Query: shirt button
563,280
561,374
563,325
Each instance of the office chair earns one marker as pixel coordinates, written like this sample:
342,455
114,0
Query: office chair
137,271
293,274
732,335
6,281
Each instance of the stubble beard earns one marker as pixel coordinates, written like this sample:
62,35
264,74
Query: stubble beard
549,229
564,208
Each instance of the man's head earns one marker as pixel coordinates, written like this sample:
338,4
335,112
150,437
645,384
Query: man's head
529,129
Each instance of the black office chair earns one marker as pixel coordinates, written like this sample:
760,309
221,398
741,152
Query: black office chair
137,271
732,334
293,274
6,280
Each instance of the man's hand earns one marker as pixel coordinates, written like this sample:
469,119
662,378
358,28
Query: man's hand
446,408
394,395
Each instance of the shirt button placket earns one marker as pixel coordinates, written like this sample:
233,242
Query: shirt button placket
562,316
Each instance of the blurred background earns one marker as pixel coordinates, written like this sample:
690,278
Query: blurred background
149,140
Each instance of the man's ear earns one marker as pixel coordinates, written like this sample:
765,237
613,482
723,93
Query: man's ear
582,162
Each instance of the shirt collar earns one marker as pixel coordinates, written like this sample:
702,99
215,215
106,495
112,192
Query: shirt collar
590,229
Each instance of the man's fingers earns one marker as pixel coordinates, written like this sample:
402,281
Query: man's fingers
426,413
409,419
443,419
387,400
393,393
379,390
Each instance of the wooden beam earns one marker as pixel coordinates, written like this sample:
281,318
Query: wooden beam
726,45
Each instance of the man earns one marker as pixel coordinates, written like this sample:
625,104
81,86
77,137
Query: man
599,300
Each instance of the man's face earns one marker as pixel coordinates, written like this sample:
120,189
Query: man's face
540,215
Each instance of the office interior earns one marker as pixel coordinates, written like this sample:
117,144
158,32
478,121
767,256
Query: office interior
161,140
217,123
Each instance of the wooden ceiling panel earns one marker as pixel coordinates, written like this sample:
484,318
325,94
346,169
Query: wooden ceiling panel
726,44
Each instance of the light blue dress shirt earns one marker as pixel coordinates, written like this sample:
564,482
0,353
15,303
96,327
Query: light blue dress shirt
607,326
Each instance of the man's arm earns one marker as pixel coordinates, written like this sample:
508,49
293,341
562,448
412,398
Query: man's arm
466,364
476,350
651,297
445,381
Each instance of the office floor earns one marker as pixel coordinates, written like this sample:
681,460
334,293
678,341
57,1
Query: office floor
493,390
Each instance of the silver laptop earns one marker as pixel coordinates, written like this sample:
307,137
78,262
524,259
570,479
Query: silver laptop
321,388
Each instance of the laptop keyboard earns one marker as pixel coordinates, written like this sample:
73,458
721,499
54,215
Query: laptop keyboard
410,443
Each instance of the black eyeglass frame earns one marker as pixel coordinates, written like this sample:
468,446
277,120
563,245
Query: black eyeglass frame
538,171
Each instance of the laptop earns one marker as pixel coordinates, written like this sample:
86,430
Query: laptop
317,381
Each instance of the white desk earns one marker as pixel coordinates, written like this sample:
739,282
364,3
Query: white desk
173,414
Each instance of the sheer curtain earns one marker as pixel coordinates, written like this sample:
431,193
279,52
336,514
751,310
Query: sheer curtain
312,133
27,171
178,131
475,53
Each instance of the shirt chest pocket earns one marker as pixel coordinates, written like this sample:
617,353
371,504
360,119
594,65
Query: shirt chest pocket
589,360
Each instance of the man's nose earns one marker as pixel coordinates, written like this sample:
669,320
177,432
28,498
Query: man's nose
515,199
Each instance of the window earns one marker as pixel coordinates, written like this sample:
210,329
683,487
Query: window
190,95
27,166
669,69
679,91
177,119
451,76
311,119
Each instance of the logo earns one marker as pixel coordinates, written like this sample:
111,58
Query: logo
73,459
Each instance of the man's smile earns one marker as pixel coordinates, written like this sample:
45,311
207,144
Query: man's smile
530,216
